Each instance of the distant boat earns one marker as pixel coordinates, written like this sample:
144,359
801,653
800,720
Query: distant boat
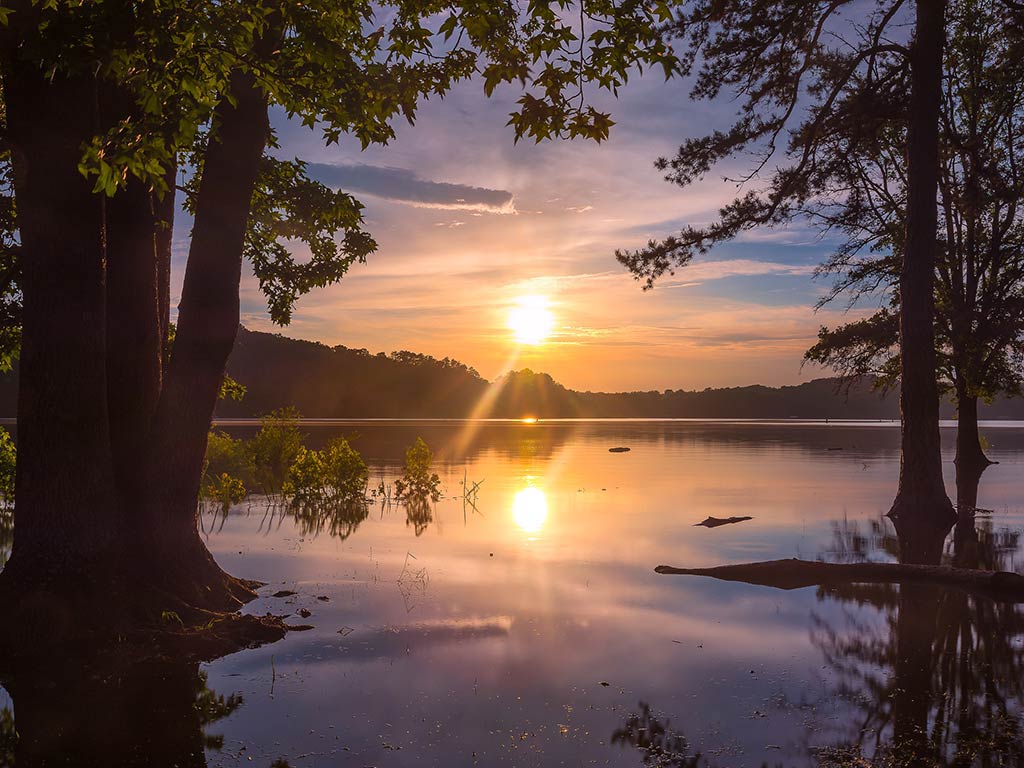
619,449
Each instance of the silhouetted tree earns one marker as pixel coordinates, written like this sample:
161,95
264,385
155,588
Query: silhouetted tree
145,88
980,268
826,77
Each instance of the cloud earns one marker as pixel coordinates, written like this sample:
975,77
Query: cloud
404,186
702,271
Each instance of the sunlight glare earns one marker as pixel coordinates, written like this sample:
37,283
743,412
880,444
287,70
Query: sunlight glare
530,320
530,509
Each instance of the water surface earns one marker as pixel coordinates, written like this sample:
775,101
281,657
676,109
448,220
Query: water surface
530,629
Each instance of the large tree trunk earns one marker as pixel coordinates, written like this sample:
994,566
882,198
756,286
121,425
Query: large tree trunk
208,318
65,517
921,507
969,453
134,342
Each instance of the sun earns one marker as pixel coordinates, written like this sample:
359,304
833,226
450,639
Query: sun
530,320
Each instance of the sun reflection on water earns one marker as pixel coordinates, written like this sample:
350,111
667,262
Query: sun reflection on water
530,509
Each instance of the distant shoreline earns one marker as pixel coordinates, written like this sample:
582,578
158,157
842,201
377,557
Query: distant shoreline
793,422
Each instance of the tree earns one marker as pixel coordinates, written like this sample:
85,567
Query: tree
825,75
980,266
104,102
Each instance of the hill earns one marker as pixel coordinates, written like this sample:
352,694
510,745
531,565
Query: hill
339,382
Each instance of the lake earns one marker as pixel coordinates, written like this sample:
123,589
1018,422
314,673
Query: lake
525,626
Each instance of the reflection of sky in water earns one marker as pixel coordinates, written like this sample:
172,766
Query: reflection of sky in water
526,630
492,645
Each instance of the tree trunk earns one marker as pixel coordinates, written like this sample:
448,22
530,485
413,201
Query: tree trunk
208,318
969,453
65,516
134,343
921,507
966,543
164,242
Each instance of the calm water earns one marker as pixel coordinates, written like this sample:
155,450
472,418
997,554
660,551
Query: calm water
531,630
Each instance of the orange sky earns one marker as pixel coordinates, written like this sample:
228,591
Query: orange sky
468,223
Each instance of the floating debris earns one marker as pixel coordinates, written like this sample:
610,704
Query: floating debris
714,522
284,593
619,449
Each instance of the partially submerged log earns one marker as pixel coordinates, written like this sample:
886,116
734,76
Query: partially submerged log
714,522
794,574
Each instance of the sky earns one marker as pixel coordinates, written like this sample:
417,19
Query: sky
469,223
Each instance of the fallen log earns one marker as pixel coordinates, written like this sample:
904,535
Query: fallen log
715,522
794,574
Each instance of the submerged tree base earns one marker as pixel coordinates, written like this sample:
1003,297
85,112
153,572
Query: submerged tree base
133,620
794,574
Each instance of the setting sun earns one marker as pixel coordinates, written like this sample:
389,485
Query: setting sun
530,320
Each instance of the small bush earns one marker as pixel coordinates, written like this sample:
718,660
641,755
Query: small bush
417,481
275,448
337,474
225,490
227,454
347,475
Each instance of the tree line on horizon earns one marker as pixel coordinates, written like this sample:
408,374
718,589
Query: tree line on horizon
321,381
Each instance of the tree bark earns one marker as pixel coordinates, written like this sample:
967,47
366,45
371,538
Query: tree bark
65,516
134,343
208,318
921,507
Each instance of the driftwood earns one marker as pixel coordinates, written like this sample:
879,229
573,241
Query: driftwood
714,522
794,574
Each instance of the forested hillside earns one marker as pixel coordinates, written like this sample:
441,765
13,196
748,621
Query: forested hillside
339,382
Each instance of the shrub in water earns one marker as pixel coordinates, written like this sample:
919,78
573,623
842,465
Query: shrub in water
346,472
275,448
225,490
337,474
227,454
417,481
328,486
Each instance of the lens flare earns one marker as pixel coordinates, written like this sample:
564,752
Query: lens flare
530,509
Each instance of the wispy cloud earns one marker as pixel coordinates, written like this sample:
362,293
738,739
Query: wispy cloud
703,271
404,186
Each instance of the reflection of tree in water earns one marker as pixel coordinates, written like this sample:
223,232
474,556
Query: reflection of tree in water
153,713
659,744
940,679
419,513
339,518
